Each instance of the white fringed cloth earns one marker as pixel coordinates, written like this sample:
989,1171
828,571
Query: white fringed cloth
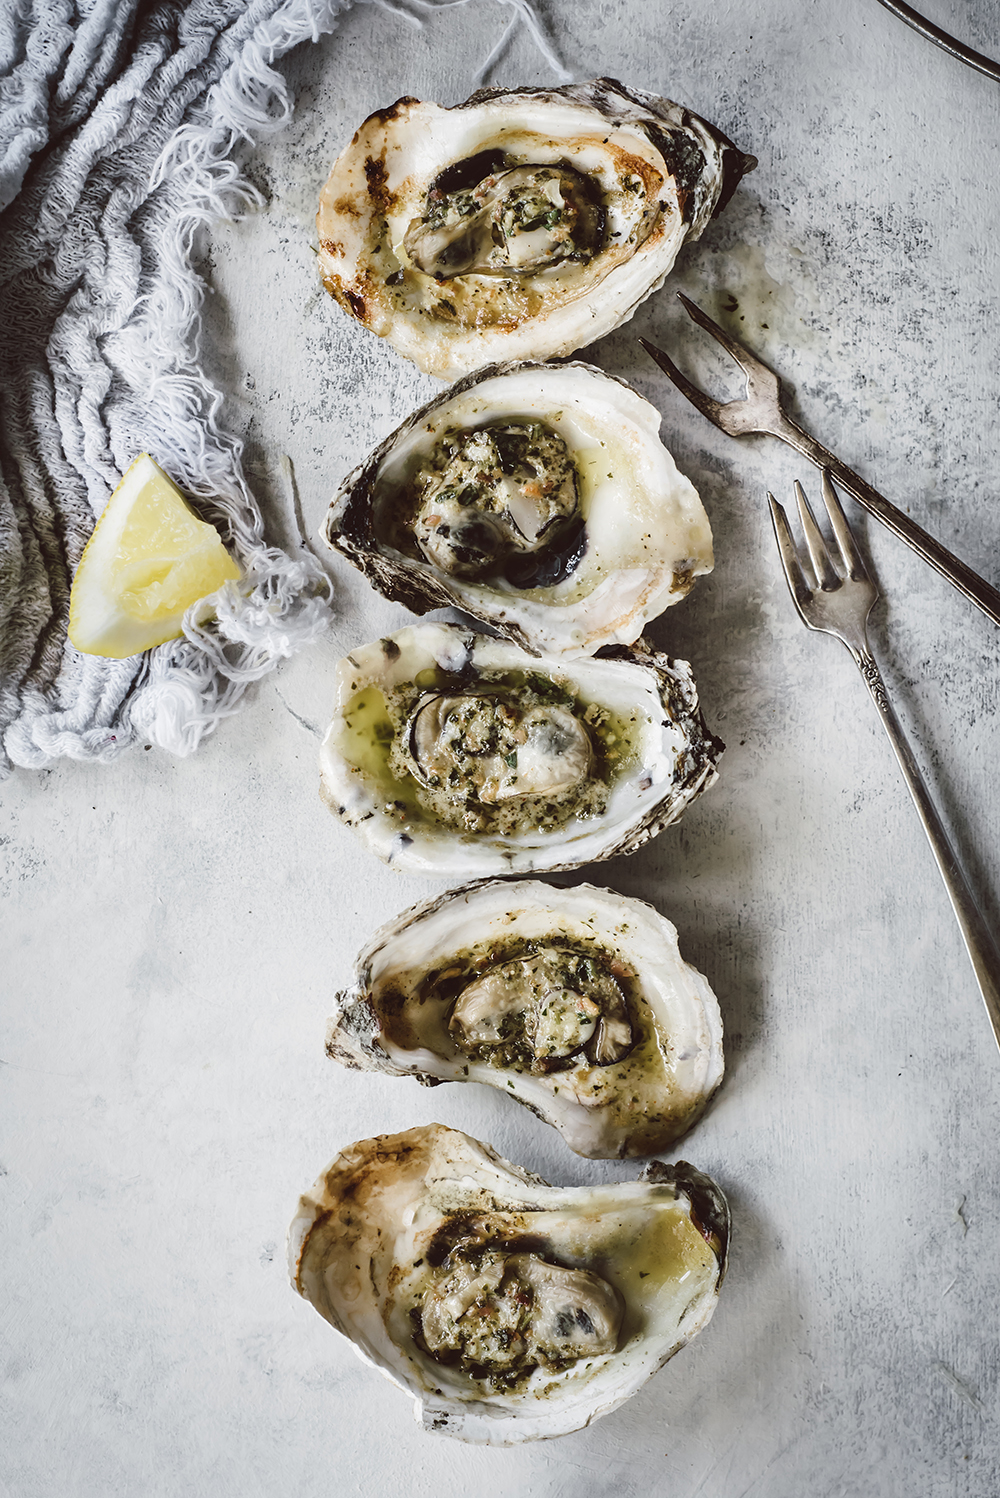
119,121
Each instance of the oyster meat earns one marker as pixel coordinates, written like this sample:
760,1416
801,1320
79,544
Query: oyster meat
506,1308
459,755
576,1002
524,223
536,497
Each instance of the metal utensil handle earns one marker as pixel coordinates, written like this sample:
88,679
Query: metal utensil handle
975,932
975,588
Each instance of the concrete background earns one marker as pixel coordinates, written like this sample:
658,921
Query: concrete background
174,930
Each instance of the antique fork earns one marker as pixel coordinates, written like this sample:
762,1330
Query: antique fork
838,602
761,411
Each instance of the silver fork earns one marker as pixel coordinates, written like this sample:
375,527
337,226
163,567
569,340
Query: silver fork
762,411
838,602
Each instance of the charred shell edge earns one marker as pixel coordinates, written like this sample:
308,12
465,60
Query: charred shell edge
349,525
684,159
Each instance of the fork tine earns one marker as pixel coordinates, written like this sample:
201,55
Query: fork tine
704,403
826,575
798,586
852,558
749,363
758,410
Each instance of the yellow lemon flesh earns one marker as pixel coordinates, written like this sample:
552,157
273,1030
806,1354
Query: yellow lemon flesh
149,559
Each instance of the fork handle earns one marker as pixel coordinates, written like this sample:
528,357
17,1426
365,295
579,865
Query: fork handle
978,939
975,588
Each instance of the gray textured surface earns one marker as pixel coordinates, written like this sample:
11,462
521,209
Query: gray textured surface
175,930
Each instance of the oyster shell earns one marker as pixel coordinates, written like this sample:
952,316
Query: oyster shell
578,1294
459,755
576,1002
536,497
524,223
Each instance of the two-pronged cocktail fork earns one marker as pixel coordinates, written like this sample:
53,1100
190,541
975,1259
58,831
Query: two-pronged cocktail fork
836,597
761,411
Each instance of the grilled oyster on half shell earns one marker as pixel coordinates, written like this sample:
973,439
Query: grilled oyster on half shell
459,755
524,223
506,1308
576,1002
536,497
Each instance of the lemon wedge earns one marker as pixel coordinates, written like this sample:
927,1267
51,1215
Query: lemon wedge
149,559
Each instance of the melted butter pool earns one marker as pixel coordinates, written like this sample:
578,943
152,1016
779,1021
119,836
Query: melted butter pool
365,738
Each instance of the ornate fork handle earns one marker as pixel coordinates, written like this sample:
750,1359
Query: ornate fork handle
975,932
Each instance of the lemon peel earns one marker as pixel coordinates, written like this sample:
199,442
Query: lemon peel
148,560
